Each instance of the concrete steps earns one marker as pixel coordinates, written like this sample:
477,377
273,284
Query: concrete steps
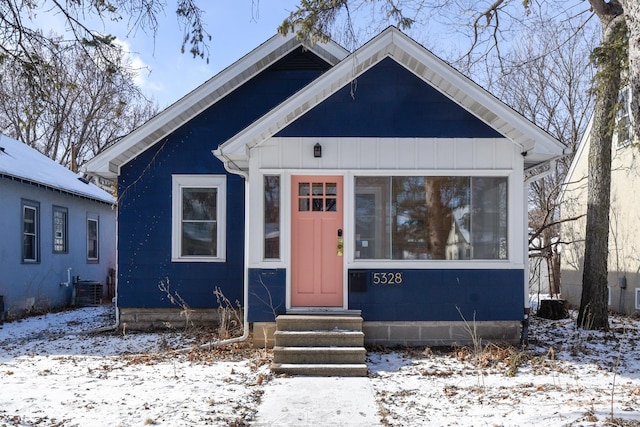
319,345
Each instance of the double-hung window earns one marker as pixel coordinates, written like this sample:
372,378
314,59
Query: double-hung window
30,232
93,242
198,212
623,135
60,230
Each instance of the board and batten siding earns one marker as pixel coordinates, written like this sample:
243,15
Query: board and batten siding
388,153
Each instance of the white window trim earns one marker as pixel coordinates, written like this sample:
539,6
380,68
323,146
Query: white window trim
203,181
637,298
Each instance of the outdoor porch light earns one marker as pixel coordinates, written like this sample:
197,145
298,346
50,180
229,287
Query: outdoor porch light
317,150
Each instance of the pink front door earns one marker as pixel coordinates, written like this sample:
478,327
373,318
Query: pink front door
316,227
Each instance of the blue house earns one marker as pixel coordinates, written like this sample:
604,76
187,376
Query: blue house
58,232
310,180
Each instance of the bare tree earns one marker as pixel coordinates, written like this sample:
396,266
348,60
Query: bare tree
546,77
81,105
21,38
610,58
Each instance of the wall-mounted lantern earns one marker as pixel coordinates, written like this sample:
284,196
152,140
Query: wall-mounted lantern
317,150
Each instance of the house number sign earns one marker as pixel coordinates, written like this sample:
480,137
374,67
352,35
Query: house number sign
388,278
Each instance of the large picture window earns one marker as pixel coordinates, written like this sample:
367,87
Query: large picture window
30,232
198,217
436,217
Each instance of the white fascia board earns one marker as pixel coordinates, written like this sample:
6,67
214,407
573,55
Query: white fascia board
476,99
173,117
307,98
425,65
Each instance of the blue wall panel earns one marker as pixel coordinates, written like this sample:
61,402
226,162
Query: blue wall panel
144,187
437,295
389,101
267,294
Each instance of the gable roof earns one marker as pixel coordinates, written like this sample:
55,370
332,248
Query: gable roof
107,164
538,145
20,162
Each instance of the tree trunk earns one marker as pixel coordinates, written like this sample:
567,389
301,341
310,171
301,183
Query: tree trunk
593,313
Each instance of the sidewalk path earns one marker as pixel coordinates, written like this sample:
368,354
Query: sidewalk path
318,401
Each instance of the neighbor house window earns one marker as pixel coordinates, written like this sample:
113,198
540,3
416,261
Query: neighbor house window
430,218
272,217
30,232
60,230
623,122
93,241
198,210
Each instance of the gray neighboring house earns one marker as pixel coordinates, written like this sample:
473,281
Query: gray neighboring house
56,229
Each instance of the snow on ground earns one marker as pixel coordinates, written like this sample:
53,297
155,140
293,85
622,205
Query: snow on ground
52,374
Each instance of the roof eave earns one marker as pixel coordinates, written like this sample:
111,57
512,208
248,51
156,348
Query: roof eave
108,163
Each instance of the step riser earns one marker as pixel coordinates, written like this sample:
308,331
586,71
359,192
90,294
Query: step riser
318,323
321,371
283,339
325,357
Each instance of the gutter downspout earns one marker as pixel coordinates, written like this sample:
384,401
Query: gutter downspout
245,327
524,335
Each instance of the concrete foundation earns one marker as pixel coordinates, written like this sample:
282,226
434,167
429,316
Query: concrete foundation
415,334
170,318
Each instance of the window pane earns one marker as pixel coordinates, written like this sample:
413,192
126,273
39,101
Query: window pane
318,189
30,238
272,217
29,247
59,230
425,215
199,204
199,238
29,220
92,239
414,217
489,218
372,217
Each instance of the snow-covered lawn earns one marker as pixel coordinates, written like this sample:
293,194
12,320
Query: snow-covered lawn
51,374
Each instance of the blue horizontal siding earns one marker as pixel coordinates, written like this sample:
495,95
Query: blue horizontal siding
267,294
144,187
423,295
389,101
442,295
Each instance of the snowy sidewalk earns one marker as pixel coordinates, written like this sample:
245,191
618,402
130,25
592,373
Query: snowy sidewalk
318,401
